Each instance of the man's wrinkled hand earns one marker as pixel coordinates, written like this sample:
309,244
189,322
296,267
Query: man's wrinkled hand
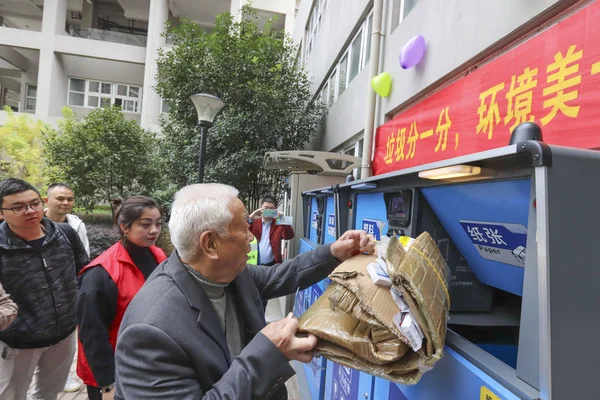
352,243
283,335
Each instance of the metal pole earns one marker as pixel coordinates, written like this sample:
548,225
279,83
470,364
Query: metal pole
202,155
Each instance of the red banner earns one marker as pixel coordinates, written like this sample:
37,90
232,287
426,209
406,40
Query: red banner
552,79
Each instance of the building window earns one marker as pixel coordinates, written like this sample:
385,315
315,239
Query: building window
315,19
355,55
165,108
95,94
368,35
343,75
128,97
76,92
99,94
30,97
405,7
332,87
354,59
325,93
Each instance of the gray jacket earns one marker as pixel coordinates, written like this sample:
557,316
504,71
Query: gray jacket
43,284
171,344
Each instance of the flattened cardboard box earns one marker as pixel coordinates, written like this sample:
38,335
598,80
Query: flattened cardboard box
354,317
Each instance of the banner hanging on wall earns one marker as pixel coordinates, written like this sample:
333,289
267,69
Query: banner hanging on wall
552,79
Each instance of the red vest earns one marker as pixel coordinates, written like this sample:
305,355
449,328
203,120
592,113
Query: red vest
128,278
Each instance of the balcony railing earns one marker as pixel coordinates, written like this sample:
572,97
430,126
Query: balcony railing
108,36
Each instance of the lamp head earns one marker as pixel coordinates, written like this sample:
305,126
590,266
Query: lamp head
207,107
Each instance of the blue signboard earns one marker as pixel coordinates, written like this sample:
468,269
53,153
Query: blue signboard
331,224
495,251
502,242
345,383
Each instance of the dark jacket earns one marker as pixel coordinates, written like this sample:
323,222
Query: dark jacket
43,284
171,344
277,233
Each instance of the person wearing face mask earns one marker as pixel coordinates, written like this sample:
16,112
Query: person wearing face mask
107,286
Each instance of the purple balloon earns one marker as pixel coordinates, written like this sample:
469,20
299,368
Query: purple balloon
412,52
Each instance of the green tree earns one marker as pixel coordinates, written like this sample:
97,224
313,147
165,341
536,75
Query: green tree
267,96
21,149
103,155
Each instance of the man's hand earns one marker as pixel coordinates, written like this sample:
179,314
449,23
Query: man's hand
256,214
283,335
352,243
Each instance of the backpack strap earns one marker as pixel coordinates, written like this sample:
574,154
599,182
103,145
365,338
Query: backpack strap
70,233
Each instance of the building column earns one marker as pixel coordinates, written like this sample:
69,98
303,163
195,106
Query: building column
158,16
88,16
236,7
53,23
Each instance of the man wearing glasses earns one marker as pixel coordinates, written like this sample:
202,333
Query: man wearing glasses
39,262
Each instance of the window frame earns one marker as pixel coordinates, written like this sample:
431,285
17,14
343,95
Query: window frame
333,89
27,97
112,97
162,106
359,35
345,55
368,31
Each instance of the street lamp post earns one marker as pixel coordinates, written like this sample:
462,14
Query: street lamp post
207,108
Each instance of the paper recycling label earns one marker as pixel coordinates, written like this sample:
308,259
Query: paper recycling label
313,220
331,225
501,242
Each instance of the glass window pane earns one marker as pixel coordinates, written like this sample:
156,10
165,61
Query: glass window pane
94,87
30,104
119,102
105,102
122,90
134,91
106,88
165,108
31,91
408,6
76,99
332,88
343,73
368,40
355,56
77,85
92,101
325,93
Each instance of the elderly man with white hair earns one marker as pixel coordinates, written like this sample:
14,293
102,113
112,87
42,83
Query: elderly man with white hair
196,329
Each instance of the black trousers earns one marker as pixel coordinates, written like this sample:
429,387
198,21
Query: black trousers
93,393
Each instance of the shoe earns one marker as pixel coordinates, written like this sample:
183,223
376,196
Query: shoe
72,385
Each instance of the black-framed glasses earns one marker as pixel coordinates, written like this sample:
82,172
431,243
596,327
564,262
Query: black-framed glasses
35,205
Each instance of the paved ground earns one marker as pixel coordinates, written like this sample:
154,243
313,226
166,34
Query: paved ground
273,313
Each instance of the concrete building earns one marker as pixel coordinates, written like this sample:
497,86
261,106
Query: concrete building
89,53
337,36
